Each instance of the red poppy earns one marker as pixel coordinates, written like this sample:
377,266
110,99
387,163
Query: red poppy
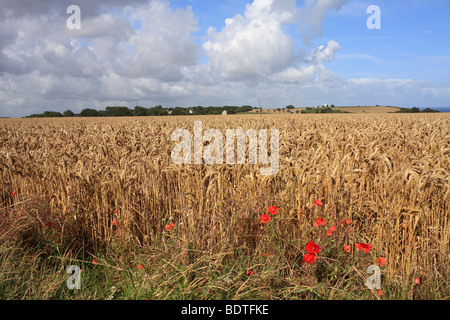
114,222
250,272
266,254
94,262
170,226
347,221
320,221
49,224
380,293
347,248
140,266
381,261
311,247
332,228
272,210
340,223
317,203
329,233
363,246
310,258
14,193
417,280
115,210
315,224
265,218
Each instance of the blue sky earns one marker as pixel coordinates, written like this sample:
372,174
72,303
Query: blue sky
229,52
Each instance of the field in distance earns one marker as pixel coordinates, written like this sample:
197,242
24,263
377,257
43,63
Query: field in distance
367,109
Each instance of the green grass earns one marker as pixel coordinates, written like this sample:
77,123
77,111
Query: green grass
170,272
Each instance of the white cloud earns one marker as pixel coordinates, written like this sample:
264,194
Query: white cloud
254,44
313,15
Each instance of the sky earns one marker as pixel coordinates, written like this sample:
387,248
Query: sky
188,53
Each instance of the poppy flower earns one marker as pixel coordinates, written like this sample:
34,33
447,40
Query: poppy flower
14,193
250,272
381,261
320,221
332,228
417,280
115,210
94,262
49,224
329,233
140,266
317,203
310,258
266,254
169,226
363,246
264,218
347,221
114,222
311,247
315,224
347,248
340,223
272,210
380,293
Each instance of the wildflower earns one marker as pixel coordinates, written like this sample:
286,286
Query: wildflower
340,223
14,193
332,228
250,272
311,247
94,261
49,224
363,246
417,280
317,203
381,261
114,222
265,218
380,293
347,248
169,226
115,210
140,266
310,257
347,221
315,224
329,233
272,210
320,221
266,254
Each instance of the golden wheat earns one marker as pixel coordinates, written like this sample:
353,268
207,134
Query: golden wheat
388,173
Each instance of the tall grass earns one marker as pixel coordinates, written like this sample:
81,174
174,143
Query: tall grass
389,174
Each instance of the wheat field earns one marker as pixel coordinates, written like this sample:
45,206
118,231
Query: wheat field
82,189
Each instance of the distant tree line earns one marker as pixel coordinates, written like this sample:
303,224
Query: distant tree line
141,111
416,110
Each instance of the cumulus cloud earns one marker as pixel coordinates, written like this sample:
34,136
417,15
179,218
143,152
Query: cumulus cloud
161,46
254,44
313,14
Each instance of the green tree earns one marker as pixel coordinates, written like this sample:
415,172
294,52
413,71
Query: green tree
140,111
68,113
51,114
89,113
117,112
